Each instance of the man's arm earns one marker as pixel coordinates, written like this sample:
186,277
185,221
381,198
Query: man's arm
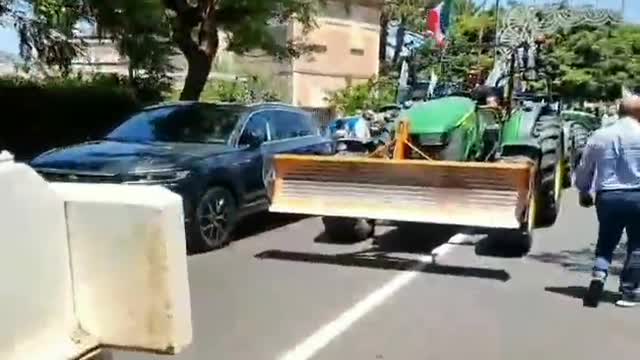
586,170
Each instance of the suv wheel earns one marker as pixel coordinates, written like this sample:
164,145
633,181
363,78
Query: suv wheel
215,219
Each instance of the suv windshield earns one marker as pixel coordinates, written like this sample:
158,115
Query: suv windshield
188,124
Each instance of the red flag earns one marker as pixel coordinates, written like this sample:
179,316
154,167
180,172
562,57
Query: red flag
434,24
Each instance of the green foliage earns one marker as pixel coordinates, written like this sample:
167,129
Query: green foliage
369,95
194,27
594,62
61,111
243,91
141,30
586,63
469,46
47,36
411,12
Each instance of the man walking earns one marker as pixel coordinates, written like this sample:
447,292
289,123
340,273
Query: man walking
611,164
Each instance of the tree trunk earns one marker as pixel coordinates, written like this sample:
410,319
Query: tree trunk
199,51
384,22
199,67
399,41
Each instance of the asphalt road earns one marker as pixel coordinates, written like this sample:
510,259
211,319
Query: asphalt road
284,293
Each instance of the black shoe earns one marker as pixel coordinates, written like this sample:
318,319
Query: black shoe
594,293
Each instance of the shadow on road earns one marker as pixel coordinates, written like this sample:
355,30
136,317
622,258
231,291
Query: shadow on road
580,260
263,222
415,238
256,224
420,239
578,292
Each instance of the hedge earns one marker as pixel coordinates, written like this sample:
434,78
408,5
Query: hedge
39,115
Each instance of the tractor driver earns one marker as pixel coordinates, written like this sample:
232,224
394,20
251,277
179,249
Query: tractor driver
488,96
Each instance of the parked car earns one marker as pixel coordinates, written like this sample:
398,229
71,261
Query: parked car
213,155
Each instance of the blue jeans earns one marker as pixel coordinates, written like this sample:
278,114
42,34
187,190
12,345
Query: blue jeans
617,211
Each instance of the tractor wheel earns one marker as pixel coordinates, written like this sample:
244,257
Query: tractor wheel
512,243
455,148
348,230
518,242
550,172
579,138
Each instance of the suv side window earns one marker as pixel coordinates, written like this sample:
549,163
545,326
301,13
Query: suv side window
289,124
257,125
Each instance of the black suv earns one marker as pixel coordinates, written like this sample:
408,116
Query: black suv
211,154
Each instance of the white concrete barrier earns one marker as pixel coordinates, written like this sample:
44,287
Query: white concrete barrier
85,266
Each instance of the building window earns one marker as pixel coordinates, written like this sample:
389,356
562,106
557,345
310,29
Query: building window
357,52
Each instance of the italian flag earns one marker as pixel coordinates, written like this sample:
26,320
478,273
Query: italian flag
438,21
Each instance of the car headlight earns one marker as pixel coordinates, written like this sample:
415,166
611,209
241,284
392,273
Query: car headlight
158,176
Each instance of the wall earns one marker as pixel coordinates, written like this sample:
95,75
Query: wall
349,36
101,56
88,265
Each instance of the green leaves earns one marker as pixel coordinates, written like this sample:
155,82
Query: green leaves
596,61
148,31
251,90
369,95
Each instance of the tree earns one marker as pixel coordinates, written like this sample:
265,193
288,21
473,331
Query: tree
594,62
141,31
195,27
469,45
368,95
410,15
46,29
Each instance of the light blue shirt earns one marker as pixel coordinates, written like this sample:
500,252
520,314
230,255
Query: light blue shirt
611,158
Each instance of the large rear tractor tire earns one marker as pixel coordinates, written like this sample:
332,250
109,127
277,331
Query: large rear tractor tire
348,230
579,138
551,172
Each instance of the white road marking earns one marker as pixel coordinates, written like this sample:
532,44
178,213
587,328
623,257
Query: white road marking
318,340
455,240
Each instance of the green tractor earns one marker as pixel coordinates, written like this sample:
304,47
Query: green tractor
452,161
455,128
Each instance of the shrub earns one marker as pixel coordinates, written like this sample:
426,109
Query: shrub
41,114
369,95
